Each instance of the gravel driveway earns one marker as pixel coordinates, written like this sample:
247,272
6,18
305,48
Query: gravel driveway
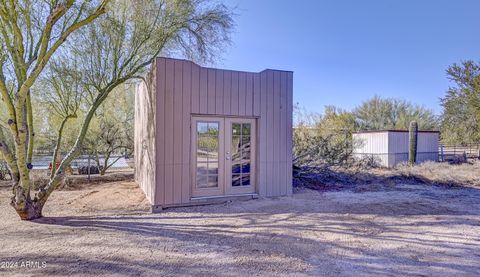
105,230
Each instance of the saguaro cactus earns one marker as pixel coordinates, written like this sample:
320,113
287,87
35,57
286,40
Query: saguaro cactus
412,143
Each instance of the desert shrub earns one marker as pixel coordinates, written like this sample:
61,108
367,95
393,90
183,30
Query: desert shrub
323,140
314,148
324,150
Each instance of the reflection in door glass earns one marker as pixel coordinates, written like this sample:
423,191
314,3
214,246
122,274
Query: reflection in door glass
246,168
236,180
207,154
236,168
246,180
241,154
202,181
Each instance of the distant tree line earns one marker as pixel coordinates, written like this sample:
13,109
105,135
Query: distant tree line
376,113
326,139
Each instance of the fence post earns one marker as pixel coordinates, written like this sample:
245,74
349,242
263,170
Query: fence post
88,168
441,153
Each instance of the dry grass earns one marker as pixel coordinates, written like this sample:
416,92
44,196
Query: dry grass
430,173
466,174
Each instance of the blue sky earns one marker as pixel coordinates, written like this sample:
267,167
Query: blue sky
343,52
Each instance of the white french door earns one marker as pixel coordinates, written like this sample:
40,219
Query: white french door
223,156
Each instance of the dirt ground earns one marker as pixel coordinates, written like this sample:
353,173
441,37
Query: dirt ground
105,229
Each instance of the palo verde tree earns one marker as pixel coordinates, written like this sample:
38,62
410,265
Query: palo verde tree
31,32
108,52
62,95
110,136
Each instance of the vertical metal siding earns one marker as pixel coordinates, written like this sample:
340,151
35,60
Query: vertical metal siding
398,148
373,144
145,150
427,146
159,139
186,111
391,148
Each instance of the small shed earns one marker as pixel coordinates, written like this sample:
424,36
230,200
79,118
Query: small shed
390,147
205,134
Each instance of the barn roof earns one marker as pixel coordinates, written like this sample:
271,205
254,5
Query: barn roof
394,131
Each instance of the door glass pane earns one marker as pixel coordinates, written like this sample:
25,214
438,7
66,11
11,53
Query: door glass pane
245,141
245,148
236,129
201,181
212,168
236,148
208,143
246,129
245,180
241,144
236,180
203,150
212,181
246,168
207,154
202,128
212,128
236,169
202,168
246,155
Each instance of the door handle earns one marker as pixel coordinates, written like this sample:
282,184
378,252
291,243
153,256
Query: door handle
228,158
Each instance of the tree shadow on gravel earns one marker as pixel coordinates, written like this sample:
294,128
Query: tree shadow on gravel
257,234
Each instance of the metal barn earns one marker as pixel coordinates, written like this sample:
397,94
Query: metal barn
390,147
206,135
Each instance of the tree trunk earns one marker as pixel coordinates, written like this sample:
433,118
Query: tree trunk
29,210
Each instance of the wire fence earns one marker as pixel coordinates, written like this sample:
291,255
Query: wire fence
467,151
392,159
44,161
446,153
83,165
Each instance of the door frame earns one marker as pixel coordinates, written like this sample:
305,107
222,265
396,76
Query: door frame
208,192
229,189
224,186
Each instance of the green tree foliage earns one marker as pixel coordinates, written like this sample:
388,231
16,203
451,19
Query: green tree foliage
323,139
460,121
390,113
111,130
